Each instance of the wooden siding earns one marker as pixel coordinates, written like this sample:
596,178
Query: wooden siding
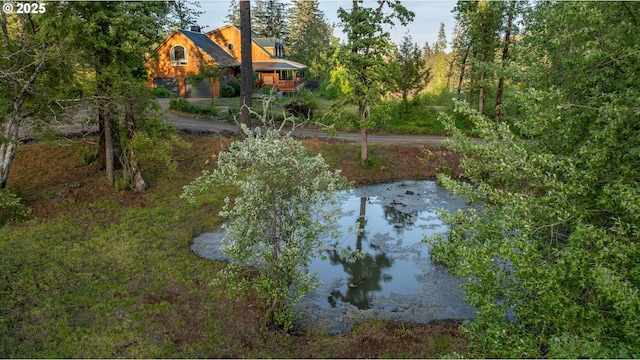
231,35
161,66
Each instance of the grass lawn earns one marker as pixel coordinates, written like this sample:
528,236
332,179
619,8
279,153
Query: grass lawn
421,117
101,273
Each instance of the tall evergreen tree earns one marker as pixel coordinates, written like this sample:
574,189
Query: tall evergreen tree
437,61
233,16
269,18
441,44
309,34
183,14
412,72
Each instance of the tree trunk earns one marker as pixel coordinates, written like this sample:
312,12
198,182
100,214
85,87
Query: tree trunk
108,148
450,72
8,148
246,68
104,115
505,57
483,58
462,69
363,135
134,172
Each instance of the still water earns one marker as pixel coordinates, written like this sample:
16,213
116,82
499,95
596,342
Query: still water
395,279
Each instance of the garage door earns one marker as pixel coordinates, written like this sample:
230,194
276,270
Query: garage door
203,90
168,83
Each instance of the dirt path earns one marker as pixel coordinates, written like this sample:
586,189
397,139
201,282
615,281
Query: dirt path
188,123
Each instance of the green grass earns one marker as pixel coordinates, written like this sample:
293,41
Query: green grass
101,273
75,282
420,118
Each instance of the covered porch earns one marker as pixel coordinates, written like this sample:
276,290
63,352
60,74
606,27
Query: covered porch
284,75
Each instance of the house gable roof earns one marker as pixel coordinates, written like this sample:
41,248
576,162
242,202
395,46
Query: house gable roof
209,47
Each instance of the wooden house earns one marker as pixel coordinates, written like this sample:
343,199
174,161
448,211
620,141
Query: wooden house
185,51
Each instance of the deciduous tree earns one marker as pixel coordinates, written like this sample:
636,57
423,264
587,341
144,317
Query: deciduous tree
33,58
362,65
278,220
183,14
552,257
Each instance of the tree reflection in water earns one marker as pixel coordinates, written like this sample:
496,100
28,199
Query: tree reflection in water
399,219
365,274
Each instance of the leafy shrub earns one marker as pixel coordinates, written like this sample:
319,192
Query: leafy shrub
183,105
161,92
10,208
227,91
329,91
277,222
178,104
235,84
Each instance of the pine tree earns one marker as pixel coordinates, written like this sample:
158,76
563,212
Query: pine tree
309,33
413,71
441,44
233,16
269,18
183,14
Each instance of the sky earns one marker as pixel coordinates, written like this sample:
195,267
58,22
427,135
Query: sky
425,26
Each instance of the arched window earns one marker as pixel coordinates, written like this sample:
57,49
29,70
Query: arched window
179,55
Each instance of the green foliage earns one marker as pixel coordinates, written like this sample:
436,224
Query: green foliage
34,74
329,91
154,141
235,84
269,18
552,258
161,92
183,105
361,66
411,73
11,209
277,222
227,91
309,37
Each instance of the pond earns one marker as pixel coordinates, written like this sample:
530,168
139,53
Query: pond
395,278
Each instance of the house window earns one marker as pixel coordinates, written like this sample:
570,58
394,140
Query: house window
230,47
285,75
179,56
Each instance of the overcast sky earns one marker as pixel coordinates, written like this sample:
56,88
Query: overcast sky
425,26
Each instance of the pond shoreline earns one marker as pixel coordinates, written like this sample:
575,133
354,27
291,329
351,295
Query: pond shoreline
436,295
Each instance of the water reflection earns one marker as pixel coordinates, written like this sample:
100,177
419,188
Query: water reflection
364,275
397,217
396,279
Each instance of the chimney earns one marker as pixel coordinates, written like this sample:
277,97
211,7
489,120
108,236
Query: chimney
195,28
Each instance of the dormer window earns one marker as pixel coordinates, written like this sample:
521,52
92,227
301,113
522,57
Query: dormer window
179,56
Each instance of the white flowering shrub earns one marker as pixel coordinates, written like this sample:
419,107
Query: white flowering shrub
278,221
